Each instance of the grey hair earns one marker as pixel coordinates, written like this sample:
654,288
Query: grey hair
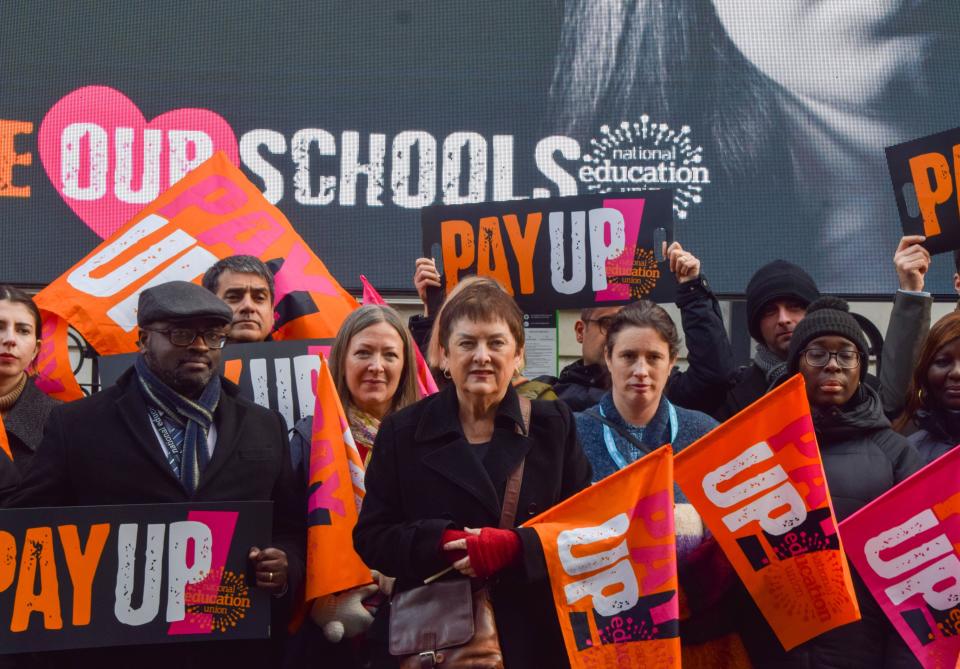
241,265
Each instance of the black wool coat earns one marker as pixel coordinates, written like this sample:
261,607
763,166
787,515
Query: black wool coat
102,450
24,426
425,477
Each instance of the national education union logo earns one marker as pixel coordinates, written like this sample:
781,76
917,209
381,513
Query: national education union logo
646,155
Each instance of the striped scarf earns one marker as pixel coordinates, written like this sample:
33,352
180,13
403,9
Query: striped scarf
193,418
364,428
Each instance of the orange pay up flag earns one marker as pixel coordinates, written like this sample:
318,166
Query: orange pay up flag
611,556
758,482
212,213
335,494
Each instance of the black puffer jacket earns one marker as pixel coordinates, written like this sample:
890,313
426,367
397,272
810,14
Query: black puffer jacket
939,432
862,458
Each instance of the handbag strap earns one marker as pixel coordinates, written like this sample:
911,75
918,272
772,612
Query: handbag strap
511,494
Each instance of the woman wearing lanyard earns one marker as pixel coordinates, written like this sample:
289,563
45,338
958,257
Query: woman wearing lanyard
635,418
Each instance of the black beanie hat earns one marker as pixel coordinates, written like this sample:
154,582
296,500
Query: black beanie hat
778,280
826,316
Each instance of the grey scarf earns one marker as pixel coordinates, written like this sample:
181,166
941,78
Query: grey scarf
770,364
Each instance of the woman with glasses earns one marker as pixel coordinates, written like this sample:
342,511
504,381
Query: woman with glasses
933,401
862,458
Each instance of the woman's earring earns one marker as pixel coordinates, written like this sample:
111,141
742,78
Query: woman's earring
446,373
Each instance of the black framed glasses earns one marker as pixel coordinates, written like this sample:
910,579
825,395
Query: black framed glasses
186,336
602,323
818,357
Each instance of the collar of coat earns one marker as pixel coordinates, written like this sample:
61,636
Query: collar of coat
229,419
26,418
451,456
441,417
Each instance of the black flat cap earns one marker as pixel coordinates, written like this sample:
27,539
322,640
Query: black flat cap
180,300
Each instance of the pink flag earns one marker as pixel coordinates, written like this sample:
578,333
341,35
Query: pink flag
906,546
425,382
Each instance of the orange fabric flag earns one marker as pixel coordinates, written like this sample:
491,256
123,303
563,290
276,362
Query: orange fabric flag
211,213
54,370
611,555
425,383
335,494
4,442
758,482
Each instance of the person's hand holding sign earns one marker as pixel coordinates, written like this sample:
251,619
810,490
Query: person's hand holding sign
683,264
912,262
425,276
270,568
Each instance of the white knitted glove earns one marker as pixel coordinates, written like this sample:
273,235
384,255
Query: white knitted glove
343,615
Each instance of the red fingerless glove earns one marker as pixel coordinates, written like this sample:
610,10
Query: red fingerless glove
492,550
453,535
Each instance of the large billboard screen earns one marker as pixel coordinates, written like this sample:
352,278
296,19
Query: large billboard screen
768,119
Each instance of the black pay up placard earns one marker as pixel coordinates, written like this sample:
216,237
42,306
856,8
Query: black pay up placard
926,182
558,253
275,374
81,577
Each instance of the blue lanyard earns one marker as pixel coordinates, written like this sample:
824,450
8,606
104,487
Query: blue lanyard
175,450
611,444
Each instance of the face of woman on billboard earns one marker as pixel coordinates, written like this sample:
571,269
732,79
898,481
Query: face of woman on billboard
839,52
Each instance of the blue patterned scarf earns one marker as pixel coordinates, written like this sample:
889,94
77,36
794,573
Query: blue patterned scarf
194,418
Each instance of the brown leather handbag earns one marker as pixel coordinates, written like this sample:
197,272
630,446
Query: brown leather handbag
447,623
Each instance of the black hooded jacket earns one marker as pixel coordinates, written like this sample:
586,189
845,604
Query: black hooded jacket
862,458
939,432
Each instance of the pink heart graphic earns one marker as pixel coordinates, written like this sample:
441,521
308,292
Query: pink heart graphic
107,162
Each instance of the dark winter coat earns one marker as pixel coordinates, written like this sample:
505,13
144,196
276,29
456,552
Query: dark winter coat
581,386
102,450
24,426
424,478
939,432
862,458
710,367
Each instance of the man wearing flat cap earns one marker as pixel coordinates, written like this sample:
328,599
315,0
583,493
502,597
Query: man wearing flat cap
173,430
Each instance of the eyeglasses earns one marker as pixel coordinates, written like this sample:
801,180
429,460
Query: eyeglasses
602,323
817,357
186,336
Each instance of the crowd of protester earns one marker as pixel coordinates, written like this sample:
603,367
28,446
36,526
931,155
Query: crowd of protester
440,470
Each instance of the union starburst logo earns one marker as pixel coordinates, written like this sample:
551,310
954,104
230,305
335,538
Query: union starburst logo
645,155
